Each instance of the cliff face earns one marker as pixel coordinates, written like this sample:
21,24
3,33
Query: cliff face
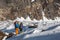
10,9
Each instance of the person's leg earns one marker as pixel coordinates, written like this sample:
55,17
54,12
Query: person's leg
17,31
20,30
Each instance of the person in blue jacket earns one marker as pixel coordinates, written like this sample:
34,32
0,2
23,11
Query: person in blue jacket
16,27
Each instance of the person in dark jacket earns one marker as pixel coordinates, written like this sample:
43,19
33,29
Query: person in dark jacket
21,26
16,27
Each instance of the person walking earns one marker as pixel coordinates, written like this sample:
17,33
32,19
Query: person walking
16,27
21,27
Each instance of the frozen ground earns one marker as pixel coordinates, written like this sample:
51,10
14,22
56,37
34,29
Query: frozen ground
51,30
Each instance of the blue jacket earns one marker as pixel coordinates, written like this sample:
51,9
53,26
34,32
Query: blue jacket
17,25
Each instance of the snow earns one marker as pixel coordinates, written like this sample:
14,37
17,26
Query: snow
19,19
3,24
10,27
4,38
51,27
22,18
32,0
28,19
33,34
6,33
35,20
57,19
37,31
58,27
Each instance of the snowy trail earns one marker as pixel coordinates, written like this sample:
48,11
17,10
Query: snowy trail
49,34
52,31
20,36
48,26
45,37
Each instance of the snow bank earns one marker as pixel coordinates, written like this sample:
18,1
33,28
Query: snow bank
30,33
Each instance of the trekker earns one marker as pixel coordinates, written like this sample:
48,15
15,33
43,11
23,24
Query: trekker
16,27
21,26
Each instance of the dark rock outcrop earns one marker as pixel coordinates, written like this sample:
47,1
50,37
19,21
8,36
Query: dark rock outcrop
2,35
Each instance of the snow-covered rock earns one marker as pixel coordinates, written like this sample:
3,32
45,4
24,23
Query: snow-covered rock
22,19
34,20
32,0
4,38
28,19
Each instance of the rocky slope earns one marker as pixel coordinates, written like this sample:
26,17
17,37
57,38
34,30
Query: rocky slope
10,9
